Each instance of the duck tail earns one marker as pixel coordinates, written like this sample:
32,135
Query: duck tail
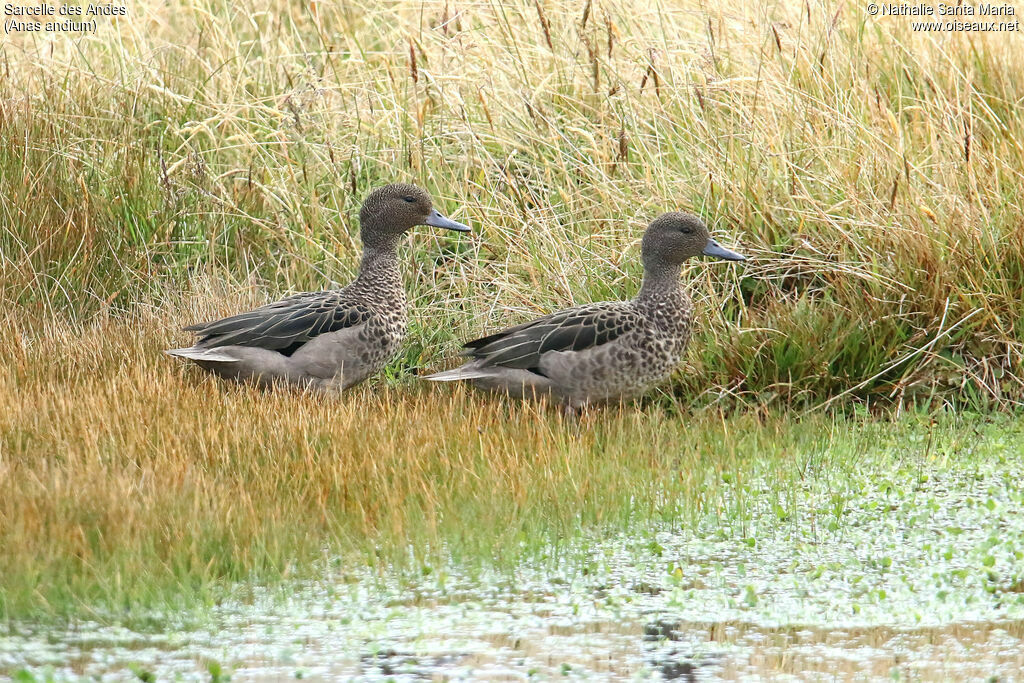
195,353
461,373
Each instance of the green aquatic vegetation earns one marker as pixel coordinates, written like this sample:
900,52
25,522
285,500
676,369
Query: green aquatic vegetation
922,574
152,182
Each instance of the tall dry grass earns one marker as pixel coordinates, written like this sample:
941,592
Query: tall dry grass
872,173
201,156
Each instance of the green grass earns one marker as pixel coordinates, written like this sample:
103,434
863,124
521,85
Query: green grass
200,157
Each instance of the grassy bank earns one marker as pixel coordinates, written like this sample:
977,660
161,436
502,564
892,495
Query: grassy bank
202,156
127,480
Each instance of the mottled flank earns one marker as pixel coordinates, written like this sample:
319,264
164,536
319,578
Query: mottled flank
332,339
604,351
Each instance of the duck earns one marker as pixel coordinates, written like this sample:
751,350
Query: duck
327,340
601,352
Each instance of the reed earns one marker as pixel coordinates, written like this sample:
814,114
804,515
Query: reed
200,156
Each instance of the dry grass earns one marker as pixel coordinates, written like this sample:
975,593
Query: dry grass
124,475
871,172
202,155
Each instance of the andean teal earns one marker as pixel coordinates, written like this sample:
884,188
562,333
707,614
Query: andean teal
331,339
605,351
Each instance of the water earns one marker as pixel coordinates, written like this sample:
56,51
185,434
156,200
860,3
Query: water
890,570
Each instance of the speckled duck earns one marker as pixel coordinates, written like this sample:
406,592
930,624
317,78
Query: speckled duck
327,340
605,351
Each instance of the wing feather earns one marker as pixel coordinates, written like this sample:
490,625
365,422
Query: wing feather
574,329
284,325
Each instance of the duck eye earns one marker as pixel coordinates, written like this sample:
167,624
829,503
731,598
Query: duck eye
687,230
409,198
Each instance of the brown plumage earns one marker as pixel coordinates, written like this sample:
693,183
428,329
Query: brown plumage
331,339
603,351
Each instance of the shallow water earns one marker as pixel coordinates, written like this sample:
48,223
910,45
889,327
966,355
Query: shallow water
894,569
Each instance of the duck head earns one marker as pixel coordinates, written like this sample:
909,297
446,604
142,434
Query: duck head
390,211
675,237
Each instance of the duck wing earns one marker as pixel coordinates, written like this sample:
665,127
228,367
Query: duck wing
284,325
574,329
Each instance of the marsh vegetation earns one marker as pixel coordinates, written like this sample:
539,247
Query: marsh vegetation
202,156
